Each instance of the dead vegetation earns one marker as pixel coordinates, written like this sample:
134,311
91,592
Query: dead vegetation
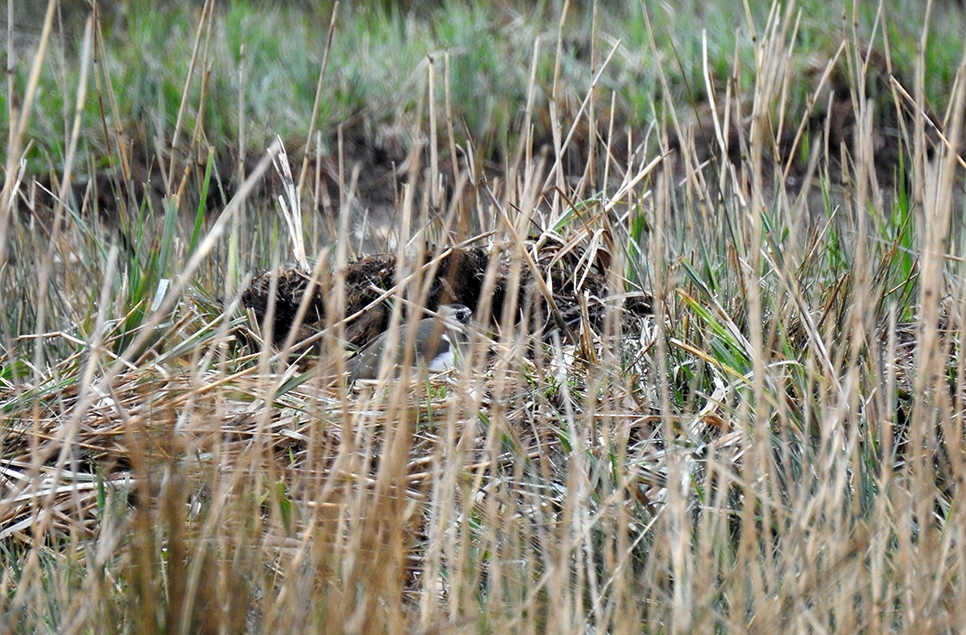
696,400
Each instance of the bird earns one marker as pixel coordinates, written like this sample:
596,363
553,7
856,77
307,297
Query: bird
436,344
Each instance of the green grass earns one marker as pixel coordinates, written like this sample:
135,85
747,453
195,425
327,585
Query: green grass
778,447
379,58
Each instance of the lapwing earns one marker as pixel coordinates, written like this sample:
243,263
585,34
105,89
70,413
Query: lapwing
436,344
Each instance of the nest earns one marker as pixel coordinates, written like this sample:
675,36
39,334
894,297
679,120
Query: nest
459,276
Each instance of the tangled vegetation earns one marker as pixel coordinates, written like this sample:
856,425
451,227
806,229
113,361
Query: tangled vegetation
715,257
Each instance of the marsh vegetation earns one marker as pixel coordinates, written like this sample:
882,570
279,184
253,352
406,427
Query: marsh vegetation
715,255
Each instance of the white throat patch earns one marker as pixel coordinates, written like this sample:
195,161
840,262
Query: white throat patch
445,360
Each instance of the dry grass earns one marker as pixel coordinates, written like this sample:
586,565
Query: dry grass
777,447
